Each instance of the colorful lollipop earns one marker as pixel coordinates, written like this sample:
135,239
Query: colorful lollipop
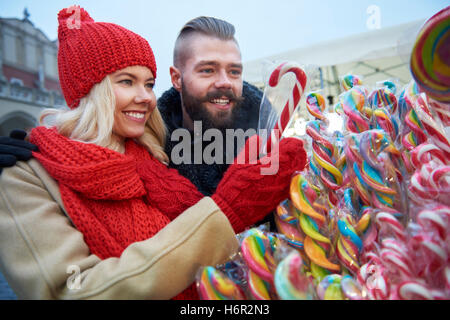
349,81
383,97
384,120
353,102
324,157
330,288
287,224
430,62
303,195
214,285
349,244
291,283
256,253
315,103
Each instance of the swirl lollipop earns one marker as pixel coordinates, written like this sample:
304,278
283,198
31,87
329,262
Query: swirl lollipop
416,136
287,224
259,288
214,285
383,97
349,244
366,228
303,195
430,63
353,102
257,253
330,288
384,120
374,168
349,81
315,103
324,155
290,282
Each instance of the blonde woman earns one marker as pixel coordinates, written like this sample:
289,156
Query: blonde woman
97,214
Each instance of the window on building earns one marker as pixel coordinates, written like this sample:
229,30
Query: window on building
20,50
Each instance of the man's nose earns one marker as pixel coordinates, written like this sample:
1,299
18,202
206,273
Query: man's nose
223,81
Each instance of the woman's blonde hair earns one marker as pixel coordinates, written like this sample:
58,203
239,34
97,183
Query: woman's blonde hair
92,122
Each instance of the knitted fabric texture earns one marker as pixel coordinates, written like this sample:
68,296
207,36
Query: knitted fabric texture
89,51
102,192
167,189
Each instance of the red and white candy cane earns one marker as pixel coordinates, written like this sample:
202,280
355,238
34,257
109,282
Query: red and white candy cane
386,221
425,153
398,263
436,218
292,102
430,181
434,129
413,290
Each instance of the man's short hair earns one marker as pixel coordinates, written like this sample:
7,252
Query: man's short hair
208,26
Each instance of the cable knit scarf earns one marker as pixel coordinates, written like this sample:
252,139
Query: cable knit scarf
102,193
101,190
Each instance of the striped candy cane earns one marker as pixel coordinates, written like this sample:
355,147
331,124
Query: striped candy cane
292,102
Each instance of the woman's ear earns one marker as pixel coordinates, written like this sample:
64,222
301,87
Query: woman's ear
175,77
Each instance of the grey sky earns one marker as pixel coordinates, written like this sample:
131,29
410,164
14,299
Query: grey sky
263,27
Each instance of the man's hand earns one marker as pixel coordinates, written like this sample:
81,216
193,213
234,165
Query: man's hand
15,148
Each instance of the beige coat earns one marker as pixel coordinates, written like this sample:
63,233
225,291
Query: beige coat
43,256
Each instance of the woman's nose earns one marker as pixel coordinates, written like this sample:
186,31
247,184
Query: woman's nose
144,95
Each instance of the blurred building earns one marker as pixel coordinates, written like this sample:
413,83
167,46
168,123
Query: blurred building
28,74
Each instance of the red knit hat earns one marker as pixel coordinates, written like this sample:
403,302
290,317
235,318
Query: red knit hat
89,51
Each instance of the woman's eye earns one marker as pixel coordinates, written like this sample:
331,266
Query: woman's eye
150,85
126,82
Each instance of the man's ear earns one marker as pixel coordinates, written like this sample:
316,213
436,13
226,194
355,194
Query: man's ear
175,77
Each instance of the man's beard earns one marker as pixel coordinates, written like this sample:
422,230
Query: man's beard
197,110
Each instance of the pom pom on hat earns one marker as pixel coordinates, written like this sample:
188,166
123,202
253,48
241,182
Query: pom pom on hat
89,51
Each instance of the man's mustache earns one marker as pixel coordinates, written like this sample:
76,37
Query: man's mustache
219,94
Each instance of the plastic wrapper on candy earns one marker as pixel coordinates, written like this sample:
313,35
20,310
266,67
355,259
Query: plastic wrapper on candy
312,217
429,63
325,156
291,280
372,173
357,111
337,287
285,85
430,182
213,284
286,220
433,126
349,81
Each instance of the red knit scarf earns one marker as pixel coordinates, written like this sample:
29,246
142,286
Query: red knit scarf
101,191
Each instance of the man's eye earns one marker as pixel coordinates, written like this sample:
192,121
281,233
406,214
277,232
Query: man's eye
150,85
236,72
209,70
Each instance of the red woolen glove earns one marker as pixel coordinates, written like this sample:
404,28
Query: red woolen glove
247,196
167,189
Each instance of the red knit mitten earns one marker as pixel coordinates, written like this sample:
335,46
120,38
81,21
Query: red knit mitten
246,195
167,189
